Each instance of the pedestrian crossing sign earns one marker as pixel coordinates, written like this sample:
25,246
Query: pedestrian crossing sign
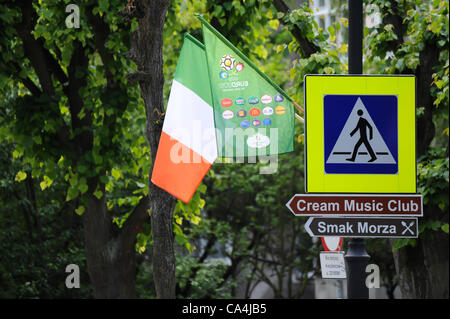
360,134
359,141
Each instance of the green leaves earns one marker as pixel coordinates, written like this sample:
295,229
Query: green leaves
78,186
191,213
98,159
400,49
20,176
47,182
402,242
433,179
72,193
80,210
98,194
274,24
103,5
433,184
116,173
83,188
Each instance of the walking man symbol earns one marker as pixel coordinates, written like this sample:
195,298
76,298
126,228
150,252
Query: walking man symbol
362,126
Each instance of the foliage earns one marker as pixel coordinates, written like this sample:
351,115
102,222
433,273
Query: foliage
73,124
36,244
246,235
106,120
433,184
397,48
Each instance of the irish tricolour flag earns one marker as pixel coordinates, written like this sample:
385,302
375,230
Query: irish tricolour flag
187,147
222,105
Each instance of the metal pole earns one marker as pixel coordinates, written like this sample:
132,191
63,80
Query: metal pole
356,258
356,261
355,36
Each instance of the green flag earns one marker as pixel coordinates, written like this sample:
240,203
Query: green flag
252,115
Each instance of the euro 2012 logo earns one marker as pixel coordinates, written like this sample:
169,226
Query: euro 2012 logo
229,66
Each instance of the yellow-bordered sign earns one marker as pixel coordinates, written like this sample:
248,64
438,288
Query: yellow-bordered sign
360,134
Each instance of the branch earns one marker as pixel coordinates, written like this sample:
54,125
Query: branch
133,9
307,48
264,278
53,64
29,84
101,32
27,81
132,226
235,261
249,287
41,59
79,61
32,47
391,16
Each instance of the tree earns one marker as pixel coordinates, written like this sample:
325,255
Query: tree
39,237
413,39
146,52
250,230
72,108
266,243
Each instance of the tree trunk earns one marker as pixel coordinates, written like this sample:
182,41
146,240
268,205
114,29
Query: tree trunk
110,258
146,51
429,59
423,269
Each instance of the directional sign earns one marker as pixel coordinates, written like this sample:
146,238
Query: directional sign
360,134
356,205
362,227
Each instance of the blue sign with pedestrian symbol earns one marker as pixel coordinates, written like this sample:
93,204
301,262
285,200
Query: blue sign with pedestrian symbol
361,134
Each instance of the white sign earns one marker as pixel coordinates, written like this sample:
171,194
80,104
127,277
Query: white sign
332,265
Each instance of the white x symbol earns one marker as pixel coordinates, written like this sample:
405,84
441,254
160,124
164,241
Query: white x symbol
408,228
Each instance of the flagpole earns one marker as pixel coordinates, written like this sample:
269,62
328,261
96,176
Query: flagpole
298,107
298,117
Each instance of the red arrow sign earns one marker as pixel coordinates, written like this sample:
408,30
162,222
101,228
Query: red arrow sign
332,243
